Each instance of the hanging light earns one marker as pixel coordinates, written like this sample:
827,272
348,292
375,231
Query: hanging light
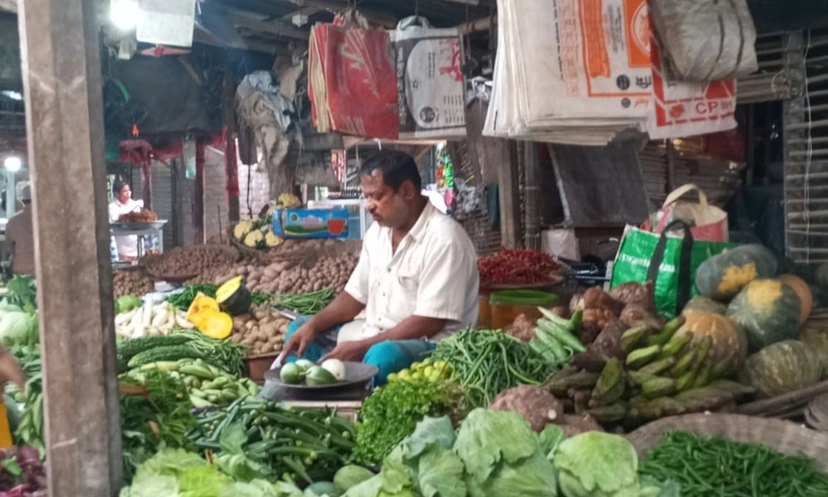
13,164
124,14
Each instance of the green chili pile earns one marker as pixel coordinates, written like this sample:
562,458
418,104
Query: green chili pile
708,466
307,303
486,362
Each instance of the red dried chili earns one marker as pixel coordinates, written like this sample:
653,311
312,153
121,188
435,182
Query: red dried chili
516,267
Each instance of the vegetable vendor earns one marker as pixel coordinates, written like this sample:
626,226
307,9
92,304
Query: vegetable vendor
20,236
124,204
416,279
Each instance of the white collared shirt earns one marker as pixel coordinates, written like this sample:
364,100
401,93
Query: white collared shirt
432,274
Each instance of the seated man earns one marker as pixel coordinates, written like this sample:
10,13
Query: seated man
416,279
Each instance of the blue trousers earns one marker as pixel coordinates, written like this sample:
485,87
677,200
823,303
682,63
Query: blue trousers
389,356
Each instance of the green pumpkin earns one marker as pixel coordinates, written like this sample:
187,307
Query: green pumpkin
233,297
724,275
814,334
728,344
781,368
704,304
769,312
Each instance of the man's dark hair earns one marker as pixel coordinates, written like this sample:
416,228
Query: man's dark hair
396,167
118,185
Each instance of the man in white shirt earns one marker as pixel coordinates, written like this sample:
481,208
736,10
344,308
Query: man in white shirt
124,204
416,279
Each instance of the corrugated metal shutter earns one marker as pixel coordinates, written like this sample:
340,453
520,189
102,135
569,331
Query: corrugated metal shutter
162,201
776,79
805,130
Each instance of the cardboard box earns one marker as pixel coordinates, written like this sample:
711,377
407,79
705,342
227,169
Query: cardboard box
310,223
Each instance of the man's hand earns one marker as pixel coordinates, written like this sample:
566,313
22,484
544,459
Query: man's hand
298,342
349,351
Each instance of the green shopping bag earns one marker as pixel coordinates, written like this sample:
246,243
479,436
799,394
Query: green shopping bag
668,260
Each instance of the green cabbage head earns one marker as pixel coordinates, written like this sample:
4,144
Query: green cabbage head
597,464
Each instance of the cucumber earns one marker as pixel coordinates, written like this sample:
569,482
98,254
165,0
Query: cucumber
172,353
134,346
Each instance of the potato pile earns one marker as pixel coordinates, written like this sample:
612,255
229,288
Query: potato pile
328,272
133,282
196,259
263,330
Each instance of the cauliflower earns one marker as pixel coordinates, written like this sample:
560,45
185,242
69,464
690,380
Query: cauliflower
272,240
242,229
288,201
253,238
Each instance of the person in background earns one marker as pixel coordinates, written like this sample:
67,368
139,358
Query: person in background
124,204
416,280
20,236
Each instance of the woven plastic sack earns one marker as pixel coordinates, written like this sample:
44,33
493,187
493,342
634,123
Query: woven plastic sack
706,40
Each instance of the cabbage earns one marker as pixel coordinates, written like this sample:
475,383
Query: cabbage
17,328
596,464
127,303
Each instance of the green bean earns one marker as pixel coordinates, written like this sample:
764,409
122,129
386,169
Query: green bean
307,303
705,466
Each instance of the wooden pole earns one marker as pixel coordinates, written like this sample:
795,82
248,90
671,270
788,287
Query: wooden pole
509,196
64,122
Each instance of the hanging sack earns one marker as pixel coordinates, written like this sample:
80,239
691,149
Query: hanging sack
707,222
668,261
352,83
430,83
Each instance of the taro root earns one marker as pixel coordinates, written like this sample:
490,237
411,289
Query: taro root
635,293
575,424
608,342
535,404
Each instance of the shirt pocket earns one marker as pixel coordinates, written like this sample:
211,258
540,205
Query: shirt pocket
404,295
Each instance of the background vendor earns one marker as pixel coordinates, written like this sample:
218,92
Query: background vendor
20,236
124,204
416,279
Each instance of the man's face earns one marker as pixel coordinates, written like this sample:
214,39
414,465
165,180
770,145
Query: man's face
124,194
389,208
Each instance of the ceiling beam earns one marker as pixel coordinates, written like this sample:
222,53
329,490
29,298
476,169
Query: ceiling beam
8,5
274,27
337,7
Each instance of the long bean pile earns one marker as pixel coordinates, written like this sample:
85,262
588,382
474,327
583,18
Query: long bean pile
486,362
307,303
707,466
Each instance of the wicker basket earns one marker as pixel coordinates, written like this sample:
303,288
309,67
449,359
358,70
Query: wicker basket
781,436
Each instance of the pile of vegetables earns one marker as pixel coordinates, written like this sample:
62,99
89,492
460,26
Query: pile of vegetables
263,330
179,472
256,438
21,473
486,362
518,266
25,409
183,344
392,412
132,282
257,234
183,299
155,414
191,260
328,272
207,385
305,372
307,303
150,319
428,369
496,454
706,466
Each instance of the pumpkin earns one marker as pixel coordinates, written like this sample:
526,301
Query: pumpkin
724,275
215,324
704,304
806,298
814,334
768,310
199,305
728,347
782,367
233,297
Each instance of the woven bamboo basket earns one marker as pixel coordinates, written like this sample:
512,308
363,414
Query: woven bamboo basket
781,436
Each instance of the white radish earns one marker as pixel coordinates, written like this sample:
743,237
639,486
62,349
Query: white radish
147,314
137,324
160,318
124,318
182,322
